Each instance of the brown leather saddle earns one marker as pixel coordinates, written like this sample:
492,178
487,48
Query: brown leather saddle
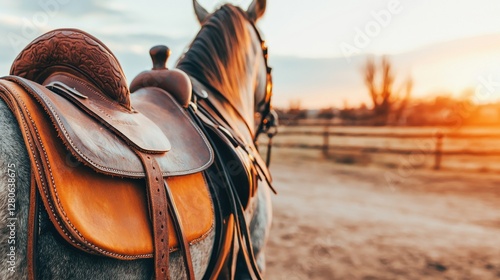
107,164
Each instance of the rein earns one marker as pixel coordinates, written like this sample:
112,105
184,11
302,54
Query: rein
269,120
226,138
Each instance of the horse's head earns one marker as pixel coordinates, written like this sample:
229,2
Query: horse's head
229,56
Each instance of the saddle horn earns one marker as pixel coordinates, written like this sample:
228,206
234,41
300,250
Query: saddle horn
201,13
256,9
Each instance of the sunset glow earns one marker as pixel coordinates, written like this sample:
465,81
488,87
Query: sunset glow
445,46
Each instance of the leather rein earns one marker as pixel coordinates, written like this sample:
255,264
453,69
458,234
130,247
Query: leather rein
200,108
269,120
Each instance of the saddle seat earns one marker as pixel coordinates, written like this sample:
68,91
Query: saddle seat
83,128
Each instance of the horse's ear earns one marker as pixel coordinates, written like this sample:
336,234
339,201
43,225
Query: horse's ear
201,13
256,9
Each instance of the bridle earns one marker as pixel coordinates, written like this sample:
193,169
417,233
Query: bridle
204,112
269,118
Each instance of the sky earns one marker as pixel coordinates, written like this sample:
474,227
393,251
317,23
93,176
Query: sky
317,47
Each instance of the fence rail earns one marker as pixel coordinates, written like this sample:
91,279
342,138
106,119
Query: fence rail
437,151
395,135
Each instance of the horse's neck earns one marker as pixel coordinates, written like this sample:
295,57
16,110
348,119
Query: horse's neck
240,113
243,100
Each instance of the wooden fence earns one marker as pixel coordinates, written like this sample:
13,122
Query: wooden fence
438,152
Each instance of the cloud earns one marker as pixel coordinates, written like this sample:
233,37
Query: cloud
132,50
71,8
443,67
24,20
11,44
317,82
144,38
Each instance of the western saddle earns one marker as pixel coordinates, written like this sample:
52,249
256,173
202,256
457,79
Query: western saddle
83,129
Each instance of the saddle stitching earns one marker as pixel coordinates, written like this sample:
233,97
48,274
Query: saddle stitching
200,133
113,171
55,216
44,186
83,241
102,97
68,139
54,188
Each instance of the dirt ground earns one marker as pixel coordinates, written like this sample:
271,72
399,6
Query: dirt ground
334,221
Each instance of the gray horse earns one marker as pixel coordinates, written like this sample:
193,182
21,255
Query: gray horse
59,260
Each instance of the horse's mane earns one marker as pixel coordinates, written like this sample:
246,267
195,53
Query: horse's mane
218,56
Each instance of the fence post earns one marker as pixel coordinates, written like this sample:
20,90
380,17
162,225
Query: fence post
326,139
438,151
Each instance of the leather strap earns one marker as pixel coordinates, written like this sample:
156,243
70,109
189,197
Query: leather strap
181,236
156,191
241,243
12,102
161,200
224,219
158,205
121,122
242,234
32,229
222,128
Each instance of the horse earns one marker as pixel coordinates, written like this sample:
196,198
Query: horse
231,82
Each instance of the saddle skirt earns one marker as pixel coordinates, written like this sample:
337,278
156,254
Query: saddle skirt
81,130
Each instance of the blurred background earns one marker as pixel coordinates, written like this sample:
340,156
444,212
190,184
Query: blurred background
388,158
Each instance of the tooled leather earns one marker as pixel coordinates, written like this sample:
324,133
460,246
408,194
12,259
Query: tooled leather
191,153
64,47
58,214
56,197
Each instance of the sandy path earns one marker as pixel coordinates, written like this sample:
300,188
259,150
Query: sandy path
345,222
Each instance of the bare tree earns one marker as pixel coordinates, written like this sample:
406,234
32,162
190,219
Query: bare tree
402,100
387,103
